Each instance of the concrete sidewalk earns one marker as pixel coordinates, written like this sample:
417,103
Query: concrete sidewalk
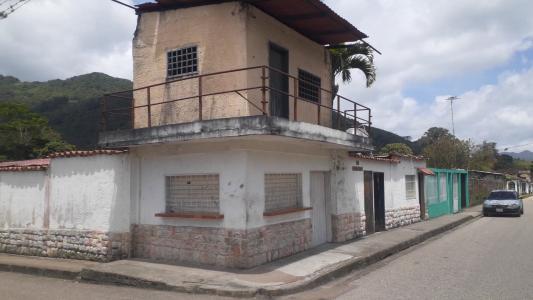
285,276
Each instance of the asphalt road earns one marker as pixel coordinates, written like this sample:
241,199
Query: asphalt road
490,258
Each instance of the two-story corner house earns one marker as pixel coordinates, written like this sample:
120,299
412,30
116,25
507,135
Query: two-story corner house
234,135
236,154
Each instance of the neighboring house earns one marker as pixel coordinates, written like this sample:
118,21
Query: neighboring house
481,183
446,191
234,158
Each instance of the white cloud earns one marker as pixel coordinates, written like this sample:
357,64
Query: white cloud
48,39
427,41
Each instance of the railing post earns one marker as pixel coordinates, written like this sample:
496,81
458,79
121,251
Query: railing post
369,124
355,118
263,89
339,112
200,98
295,99
149,107
319,104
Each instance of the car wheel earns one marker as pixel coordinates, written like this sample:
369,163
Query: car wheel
485,214
522,211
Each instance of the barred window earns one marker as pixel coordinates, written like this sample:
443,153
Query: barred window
183,61
282,191
192,193
308,86
410,186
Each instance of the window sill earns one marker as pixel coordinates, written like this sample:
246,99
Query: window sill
198,216
285,211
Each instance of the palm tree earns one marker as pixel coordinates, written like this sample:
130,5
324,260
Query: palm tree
354,56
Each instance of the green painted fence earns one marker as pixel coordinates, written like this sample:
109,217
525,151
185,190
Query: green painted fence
446,192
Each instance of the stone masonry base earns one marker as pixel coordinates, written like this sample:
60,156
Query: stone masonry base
219,246
74,244
348,226
402,216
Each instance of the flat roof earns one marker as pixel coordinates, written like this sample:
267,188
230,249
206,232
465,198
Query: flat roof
311,18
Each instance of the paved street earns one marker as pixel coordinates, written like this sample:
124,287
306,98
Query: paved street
491,258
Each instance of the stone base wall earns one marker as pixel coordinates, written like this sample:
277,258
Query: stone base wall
348,226
402,216
219,246
74,244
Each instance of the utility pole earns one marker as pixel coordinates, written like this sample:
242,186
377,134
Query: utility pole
451,99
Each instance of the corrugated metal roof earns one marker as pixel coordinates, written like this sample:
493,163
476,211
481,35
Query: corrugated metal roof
25,165
311,18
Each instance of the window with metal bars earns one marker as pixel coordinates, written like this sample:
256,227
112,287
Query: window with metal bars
183,61
282,191
308,86
410,186
192,193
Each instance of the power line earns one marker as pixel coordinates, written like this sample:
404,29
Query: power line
12,8
122,3
516,146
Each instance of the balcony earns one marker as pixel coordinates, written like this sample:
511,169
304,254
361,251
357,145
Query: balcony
255,100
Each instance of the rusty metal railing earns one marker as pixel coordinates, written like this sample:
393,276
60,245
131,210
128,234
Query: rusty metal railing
195,96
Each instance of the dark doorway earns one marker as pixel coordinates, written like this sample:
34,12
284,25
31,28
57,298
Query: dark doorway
379,201
463,190
421,196
279,81
369,202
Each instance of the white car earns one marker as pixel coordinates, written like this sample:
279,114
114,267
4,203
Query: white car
503,202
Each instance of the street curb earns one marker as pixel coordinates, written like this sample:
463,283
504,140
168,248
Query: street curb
47,272
321,277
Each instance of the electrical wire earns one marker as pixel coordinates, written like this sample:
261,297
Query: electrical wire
12,8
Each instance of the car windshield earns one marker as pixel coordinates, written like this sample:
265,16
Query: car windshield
502,195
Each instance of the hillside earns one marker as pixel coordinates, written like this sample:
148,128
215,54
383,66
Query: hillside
524,155
71,105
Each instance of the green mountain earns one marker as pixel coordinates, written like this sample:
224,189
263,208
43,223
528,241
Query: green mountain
71,105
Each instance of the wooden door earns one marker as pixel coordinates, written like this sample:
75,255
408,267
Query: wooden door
318,192
279,82
369,201
379,201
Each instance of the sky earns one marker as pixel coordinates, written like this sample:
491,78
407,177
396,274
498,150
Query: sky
479,51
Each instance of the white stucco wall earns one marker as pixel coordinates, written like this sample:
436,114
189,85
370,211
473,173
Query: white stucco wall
259,163
351,183
90,193
241,167
22,199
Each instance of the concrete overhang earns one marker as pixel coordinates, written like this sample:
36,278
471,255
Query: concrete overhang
234,128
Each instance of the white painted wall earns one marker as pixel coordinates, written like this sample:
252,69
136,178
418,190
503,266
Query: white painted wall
259,163
241,166
90,193
351,184
22,199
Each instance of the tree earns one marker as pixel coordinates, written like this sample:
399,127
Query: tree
443,150
432,135
358,56
484,157
504,162
25,135
398,148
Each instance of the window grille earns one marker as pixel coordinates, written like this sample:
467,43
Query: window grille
192,193
308,86
282,191
410,186
182,62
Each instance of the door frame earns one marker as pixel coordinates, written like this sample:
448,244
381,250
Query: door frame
277,47
368,192
327,204
422,195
